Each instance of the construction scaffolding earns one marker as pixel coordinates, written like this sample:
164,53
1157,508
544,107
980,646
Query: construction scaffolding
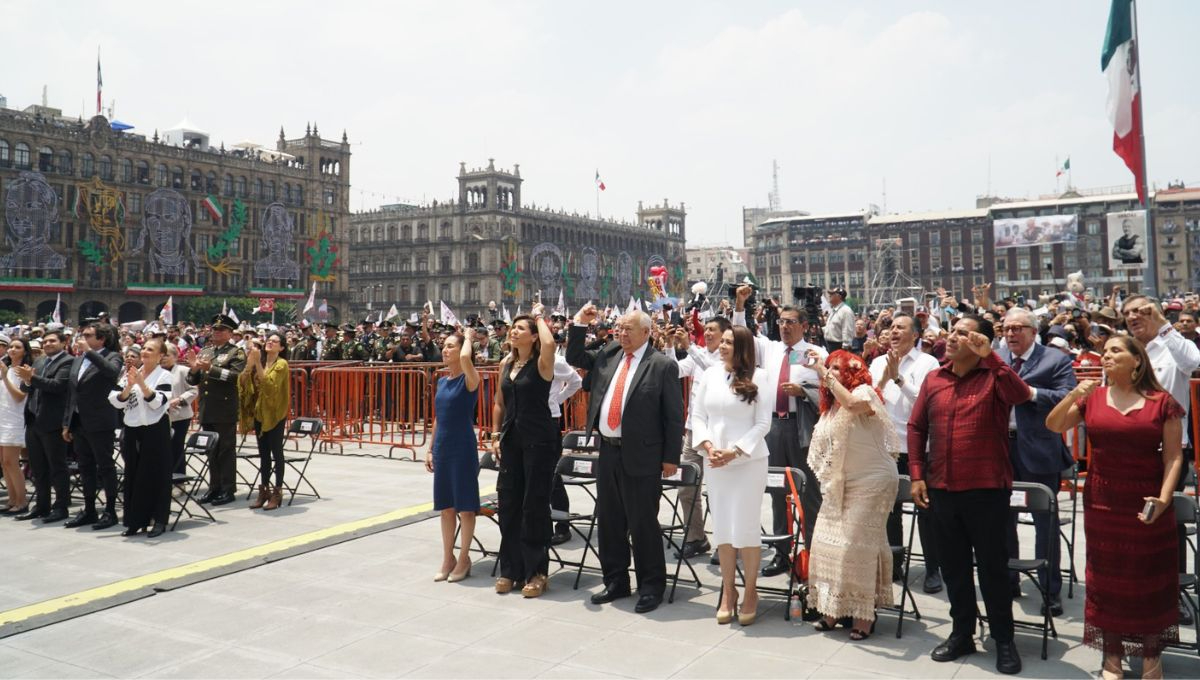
889,282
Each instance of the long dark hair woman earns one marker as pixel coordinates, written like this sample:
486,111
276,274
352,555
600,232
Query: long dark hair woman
453,457
527,450
12,424
1135,428
730,420
272,398
142,395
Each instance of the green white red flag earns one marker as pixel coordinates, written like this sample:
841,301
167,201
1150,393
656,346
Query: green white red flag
213,206
1119,61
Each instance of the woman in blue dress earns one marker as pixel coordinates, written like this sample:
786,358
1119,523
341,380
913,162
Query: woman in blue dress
453,458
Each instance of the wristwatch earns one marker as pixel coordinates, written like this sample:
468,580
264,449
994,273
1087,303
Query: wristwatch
899,380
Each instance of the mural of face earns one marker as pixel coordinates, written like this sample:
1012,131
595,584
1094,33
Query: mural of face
589,274
277,237
30,209
167,220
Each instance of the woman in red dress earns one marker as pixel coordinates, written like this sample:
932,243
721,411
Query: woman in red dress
1136,433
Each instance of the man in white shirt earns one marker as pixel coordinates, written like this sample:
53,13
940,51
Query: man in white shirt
839,329
692,366
566,383
898,375
1173,358
793,388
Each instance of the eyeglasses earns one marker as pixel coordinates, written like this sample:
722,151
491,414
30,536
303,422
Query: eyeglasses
1144,310
789,322
1015,328
89,335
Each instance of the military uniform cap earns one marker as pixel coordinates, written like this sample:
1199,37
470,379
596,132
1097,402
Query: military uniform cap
223,321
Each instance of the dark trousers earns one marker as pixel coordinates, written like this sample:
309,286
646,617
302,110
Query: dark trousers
179,431
895,530
559,500
148,464
96,467
48,462
270,450
523,491
1189,457
627,511
1045,530
784,450
222,462
967,526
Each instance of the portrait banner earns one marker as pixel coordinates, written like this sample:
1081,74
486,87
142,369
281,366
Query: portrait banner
1035,231
1127,240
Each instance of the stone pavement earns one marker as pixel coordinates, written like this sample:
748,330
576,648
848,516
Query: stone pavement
368,607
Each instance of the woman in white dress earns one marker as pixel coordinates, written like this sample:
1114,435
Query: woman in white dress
729,422
850,569
12,425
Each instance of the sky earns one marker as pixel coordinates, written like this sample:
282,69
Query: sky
933,102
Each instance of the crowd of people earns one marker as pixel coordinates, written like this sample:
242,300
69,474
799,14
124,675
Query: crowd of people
962,397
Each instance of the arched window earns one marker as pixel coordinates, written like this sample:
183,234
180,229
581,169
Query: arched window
66,163
298,194
241,186
5,158
227,185
422,232
126,169
21,157
197,181
177,177
378,233
391,232
106,168
406,232
162,178
87,166
287,193
270,196
258,188
210,183
45,159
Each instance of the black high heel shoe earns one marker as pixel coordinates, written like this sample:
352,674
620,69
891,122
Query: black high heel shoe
859,635
158,530
131,531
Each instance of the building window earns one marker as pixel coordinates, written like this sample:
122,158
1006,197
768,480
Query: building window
21,157
177,177
142,176
421,292
87,166
5,159
444,291
422,232
126,166
65,165
422,265
270,195
1093,227
444,264
258,189
473,292
976,236
106,168
133,202
162,178
935,238
405,232
241,187
227,185
45,159
1023,263
955,237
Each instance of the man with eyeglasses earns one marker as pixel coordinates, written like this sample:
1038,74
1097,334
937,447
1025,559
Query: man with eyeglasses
1037,454
90,422
793,385
1173,358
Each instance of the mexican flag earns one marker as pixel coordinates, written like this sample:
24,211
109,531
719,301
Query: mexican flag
1064,168
1119,63
599,182
213,206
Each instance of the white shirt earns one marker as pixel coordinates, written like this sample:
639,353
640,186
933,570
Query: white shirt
698,360
840,327
898,400
1173,358
769,355
139,411
566,383
608,395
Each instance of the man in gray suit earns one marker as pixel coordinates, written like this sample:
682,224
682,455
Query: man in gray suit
1037,454
636,403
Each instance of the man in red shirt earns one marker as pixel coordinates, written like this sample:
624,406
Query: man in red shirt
965,479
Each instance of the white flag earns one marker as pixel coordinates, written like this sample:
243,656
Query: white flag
518,310
504,314
233,315
633,306
392,313
168,311
224,308
56,317
312,300
826,308
448,317
561,307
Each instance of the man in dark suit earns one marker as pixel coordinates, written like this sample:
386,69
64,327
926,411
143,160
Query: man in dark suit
89,421
637,404
1037,454
216,371
46,383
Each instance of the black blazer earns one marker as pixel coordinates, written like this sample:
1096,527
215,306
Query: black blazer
87,397
652,421
47,389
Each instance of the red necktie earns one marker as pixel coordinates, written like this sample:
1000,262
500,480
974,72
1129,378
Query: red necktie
614,407
1017,363
782,402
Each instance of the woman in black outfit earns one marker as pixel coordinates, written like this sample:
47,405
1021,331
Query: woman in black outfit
527,451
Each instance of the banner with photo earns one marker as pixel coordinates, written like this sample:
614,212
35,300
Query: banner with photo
1035,231
1127,239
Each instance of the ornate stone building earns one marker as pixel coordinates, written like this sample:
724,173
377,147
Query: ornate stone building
488,245
116,222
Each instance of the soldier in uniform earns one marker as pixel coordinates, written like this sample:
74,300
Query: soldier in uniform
369,338
332,349
352,348
215,371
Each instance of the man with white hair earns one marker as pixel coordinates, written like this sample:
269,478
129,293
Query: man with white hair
1037,454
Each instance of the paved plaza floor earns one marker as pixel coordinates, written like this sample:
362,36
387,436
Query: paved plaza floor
342,587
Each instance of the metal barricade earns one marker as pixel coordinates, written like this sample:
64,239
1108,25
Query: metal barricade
388,404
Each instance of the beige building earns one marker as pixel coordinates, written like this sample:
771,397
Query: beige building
702,262
488,244
116,222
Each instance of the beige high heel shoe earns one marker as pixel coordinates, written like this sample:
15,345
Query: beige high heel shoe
455,578
725,616
443,575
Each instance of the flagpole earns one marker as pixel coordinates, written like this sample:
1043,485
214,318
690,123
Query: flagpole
1057,174
1150,275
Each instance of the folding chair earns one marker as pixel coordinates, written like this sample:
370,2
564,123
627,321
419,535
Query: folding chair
1035,499
187,483
487,509
1069,479
1186,514
302,427
904,551
250,457
578,467
200,444
688,475
788,483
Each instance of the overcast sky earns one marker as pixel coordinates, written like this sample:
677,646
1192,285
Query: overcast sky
688,101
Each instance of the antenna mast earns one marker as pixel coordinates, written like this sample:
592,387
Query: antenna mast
773,197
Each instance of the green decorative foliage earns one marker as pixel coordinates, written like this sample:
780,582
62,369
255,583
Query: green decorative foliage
237,220
91,252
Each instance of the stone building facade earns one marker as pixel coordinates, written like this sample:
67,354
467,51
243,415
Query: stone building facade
116,222
489,245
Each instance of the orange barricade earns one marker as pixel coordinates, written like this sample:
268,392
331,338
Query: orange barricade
389,404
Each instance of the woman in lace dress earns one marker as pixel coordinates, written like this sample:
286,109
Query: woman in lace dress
850,568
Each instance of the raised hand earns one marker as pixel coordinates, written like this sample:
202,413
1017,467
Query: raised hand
979,344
